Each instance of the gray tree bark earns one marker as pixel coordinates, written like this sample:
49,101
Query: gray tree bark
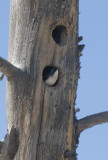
41,119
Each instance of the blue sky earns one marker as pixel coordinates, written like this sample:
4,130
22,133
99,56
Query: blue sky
4,34
92,93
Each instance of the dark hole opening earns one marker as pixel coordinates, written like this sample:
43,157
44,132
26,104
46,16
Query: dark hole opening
50,75
60,35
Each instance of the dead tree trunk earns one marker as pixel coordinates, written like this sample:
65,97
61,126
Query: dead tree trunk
40,117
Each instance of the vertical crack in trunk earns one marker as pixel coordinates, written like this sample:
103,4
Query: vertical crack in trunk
40,125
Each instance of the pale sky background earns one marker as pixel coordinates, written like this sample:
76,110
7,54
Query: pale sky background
92,94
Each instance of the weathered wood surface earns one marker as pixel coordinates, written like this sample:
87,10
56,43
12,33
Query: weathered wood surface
44,116
10,145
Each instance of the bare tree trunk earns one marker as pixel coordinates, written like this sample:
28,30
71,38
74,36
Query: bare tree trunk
42,33
41,118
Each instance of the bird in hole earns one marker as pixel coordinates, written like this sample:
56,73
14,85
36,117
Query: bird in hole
50,75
